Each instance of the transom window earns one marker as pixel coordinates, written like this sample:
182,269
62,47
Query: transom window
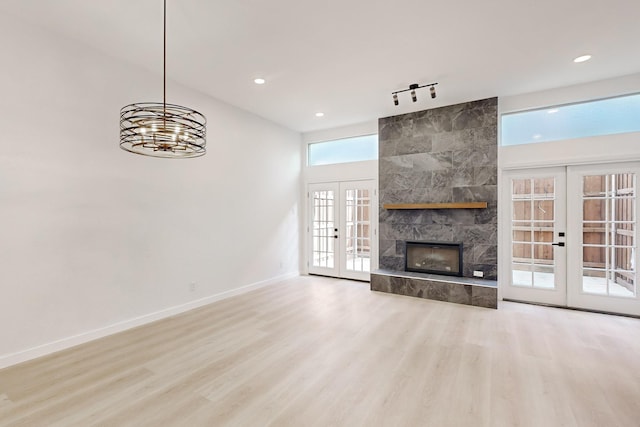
345,150
592,118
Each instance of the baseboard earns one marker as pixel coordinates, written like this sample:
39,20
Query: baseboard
587,310
65,343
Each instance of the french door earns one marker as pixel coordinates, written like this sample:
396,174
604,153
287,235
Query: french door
535,239
341,223
603,229
570,236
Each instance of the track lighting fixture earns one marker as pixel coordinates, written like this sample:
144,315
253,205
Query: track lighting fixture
412,88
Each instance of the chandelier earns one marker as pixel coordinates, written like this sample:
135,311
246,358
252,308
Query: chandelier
162,130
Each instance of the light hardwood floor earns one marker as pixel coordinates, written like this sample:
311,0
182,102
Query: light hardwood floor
324,352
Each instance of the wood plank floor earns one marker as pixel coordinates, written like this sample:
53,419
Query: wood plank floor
324,352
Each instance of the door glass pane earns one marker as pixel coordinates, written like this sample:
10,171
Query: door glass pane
608,235
522,210
544,277
594,209
521,186
521,235
323,229
521,275
521,252
357,233
532,228
543,210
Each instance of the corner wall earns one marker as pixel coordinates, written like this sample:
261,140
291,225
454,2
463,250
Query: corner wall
95,239
441,155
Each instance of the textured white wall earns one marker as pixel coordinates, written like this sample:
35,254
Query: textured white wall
94,239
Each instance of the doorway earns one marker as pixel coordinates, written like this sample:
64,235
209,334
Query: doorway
570,235
341,229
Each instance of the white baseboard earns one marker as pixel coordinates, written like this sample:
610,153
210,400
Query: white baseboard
65,343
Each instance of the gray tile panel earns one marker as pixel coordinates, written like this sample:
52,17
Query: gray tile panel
441,155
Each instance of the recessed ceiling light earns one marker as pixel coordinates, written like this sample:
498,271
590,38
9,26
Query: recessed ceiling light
553,111
319,114
537,136
259,81
582,58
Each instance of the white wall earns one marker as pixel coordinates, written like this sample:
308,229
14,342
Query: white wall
94,239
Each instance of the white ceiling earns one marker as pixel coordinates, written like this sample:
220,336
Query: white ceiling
345,57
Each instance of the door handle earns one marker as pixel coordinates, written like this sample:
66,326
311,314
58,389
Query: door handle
558,244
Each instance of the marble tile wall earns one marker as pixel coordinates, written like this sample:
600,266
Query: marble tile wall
446,154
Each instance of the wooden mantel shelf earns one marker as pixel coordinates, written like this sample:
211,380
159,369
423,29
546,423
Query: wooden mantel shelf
461,205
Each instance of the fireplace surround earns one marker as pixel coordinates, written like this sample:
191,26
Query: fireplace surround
430,162
433,160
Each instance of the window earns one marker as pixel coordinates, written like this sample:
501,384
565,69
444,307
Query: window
343,150
600,117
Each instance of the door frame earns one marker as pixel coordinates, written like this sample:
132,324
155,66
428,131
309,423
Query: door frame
367,184
333,271
576,297
340,269
558,295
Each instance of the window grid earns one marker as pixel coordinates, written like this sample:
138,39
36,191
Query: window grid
532,231
357,236
608,235
323,229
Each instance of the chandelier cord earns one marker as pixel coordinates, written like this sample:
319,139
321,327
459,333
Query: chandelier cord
164,63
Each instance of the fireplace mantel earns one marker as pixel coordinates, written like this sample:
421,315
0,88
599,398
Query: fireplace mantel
460,205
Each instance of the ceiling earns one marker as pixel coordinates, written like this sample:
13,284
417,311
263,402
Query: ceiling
345,57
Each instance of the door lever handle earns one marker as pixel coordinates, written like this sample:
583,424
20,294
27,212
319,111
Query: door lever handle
558,244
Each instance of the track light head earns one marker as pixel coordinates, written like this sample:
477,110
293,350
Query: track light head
432,91
395,99
413,88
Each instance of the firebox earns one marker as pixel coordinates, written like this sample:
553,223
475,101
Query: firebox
434,257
